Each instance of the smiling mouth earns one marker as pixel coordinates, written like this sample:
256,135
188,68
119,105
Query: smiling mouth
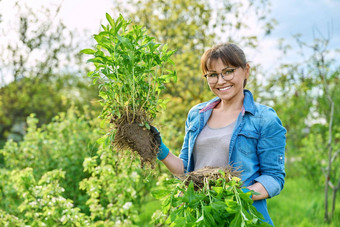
224,88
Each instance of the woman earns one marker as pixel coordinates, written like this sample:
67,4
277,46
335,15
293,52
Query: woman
233,129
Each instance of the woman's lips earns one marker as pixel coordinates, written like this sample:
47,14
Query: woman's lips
224,88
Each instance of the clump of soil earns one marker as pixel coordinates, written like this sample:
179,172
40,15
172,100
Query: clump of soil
132,135
207,174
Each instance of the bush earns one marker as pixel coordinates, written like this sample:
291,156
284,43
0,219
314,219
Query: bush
39,184
118,188
42,203
62,144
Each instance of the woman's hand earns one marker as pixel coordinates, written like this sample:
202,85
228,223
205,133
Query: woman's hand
258,187
163,150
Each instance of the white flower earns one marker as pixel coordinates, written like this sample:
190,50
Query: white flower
134,175
34,203
133,193
62,219
127,205
69,205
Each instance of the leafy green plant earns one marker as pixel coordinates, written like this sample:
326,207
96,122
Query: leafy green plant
62,144
42,202
10,220
131,70
118,190
219,203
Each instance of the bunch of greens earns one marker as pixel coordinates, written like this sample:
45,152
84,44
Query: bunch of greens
131,70
219,203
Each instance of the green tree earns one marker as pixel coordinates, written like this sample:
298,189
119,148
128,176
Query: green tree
310,115
45,98
42,61
36,43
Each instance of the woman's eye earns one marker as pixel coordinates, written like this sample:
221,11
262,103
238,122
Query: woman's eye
213,75
229,71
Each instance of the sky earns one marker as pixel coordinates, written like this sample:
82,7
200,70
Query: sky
310,18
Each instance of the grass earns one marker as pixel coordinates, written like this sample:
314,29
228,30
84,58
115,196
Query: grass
149,209
301,204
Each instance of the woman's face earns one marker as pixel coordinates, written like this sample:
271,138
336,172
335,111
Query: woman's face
232,90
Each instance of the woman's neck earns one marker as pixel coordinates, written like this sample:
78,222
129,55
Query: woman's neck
232,105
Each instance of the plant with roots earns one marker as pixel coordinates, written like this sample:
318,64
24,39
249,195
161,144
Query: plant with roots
131,70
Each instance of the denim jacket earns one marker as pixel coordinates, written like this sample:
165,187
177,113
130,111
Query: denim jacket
257,145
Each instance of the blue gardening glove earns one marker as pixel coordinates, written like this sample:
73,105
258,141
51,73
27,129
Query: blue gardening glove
163,150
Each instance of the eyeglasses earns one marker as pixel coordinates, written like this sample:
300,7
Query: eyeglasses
227,74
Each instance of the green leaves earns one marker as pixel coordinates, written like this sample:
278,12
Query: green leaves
42,203
110,20
159,194
222,205
88,51
131,69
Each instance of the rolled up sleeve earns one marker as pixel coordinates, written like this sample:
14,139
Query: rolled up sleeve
271,153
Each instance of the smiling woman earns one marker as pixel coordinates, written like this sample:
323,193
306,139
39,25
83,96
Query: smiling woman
233,130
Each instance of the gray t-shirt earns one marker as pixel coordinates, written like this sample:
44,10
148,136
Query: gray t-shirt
212,146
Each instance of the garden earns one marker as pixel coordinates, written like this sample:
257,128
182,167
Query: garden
76,147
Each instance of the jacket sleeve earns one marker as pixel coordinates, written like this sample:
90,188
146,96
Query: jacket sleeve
184,151
271,153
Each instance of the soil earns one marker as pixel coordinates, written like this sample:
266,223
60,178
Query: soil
209,173
131,135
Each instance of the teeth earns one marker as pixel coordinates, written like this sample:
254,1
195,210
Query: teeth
223,89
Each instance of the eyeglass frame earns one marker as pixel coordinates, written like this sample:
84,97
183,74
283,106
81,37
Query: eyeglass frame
233,72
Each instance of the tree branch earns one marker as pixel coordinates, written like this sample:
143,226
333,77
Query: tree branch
338,185
335,155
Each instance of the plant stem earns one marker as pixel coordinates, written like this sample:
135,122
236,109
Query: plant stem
238,199
133,87
151,85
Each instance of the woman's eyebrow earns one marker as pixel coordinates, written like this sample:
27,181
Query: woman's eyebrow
221,70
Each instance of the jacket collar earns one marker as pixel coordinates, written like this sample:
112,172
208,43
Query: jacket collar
248,103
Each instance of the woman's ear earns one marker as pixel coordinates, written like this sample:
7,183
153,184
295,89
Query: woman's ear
247,69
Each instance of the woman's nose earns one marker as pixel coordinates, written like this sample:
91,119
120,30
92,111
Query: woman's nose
220,80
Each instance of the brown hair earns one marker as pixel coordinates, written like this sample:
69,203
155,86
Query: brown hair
229,53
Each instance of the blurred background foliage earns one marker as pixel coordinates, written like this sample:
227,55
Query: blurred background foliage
52,170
